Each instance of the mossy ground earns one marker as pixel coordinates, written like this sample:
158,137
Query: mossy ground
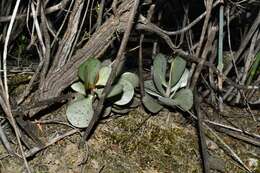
136,142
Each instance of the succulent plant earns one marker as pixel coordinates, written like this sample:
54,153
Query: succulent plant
93,78
170,91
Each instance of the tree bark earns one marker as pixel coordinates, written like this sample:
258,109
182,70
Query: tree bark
57,81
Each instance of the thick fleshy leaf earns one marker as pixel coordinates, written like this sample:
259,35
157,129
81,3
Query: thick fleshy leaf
115,90
177,68
88,72
78,96
135,103
79,87
184,99
150,88
149,84
151,104
131,77
106,62
106,111
128,93
182,82
80,112
119,110
103,76
167,101
152,93
159,72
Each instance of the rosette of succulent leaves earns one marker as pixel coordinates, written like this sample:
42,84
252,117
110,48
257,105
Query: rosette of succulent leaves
93,77
167,87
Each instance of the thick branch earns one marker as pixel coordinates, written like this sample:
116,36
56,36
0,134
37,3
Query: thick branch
57,81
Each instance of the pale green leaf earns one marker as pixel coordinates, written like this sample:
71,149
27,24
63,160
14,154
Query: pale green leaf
131,77
88,72
128,93
151,104
182,82
79,87
159,72
177,68
149,84
184,99
80,112
150,88
115,90
104,74
167,101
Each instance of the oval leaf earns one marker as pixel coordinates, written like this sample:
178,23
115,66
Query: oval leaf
88,72
167,101
80,112
79,87
151,104
149,84
184,99
182,82
104,74
119,110
159,72
115,90
128,93
131,77
177,68
150,88
106,111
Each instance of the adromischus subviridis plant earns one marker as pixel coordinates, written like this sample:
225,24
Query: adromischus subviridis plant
170,91
93,78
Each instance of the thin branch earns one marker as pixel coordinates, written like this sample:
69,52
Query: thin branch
245,41
5,141
229,149
49,10
140,60
119,58
224,145
47,44
5,88
35,150
63,22
187,56
38,30
198,50
100,13
188,27
79,31
203,145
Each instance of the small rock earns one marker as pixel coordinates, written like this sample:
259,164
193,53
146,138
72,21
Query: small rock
252,163
211,145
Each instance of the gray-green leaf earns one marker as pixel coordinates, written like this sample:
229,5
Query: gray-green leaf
159,72
177,68
184,99
151,104
104,74
150,88
115,90
128,93
88,72
131,77
79,87
80,112
182,82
